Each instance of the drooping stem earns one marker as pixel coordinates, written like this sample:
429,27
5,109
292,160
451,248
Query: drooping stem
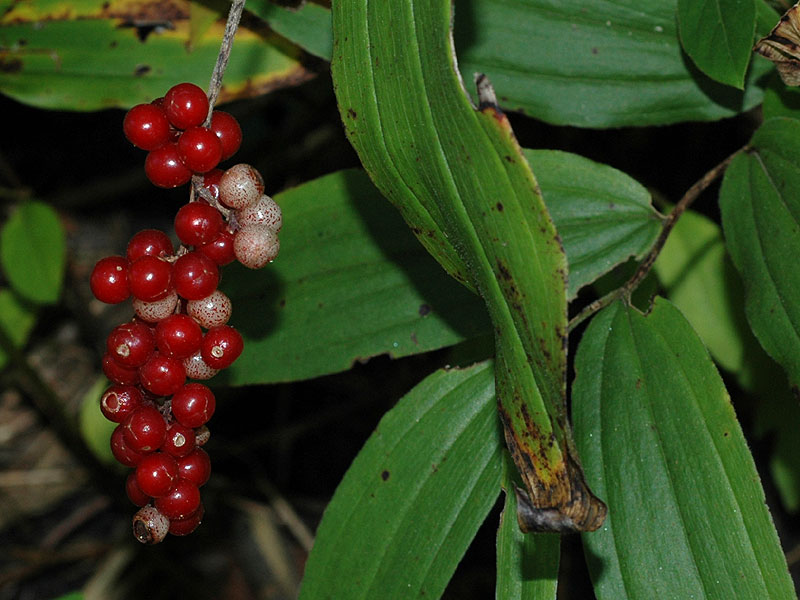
669,222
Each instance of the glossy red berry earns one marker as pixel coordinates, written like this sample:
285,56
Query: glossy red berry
119,373
193,405
119,401
182,500
156,474
196,367
186,105
164,168
149,242
146,126
187,525
109,280
200,149
134,492
221,346
150,278
180,440
220,249
131,344
121,451
227,129
211,311
155,311
240,186
195,467
256,245
144,430
149,525
178,336
195,276
162,375
197,223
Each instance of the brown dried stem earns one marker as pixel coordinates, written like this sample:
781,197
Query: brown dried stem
669,222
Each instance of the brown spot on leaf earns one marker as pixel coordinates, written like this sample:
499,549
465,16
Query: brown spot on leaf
10,65
352,114
142,70
385,475
499,207
424,309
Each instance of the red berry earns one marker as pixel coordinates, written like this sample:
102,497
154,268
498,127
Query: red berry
146,126
119,373
149,525
195,276
181,501
119,401
164,168
150,278
195,467
149,242
256,245
200,149
180,440
162,375
145,429
186,105
196,367
240,186
131,344
264,212
109,280
193,405
135,493
187,525
153,312
156,474
121,451
221,346
228,131
197,223
211,311
178,336
220,249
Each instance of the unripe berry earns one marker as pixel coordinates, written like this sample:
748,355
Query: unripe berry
201,436
153,312
264,212
196,367
211,311
256,245
149,525
240,186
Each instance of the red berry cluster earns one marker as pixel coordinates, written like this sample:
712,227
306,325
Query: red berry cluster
180,329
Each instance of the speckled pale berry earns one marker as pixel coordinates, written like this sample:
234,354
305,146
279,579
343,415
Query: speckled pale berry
153,312
240,186
256,245
196,367
201,435
149,525
264,212
211,311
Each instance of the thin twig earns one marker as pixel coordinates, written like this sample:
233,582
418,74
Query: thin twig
234,16
644,267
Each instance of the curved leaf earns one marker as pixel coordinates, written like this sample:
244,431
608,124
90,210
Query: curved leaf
405,512
761,219
308,26
17,319
33,252
373,290
718,36
659,438
602,216
592,63
117,54
459,177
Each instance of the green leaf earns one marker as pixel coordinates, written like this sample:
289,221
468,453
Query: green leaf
660,442
308,26
33,252
91,55
592,63
458,177
602,216
694,269
405,512
95,429
527,564
761,217
350,282
17,319
718,36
